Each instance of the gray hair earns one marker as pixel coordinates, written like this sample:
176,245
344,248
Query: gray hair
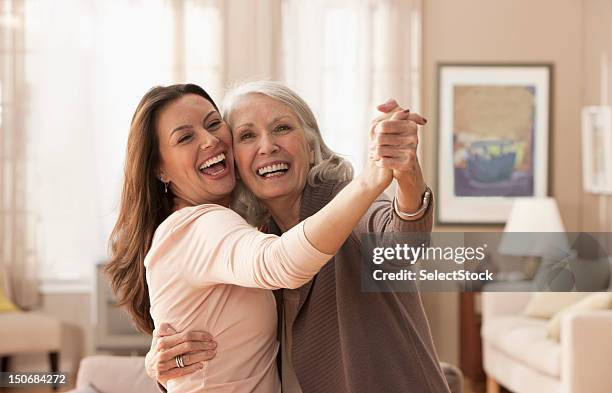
327,166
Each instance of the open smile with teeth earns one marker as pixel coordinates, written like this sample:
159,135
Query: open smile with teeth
273,170
214,166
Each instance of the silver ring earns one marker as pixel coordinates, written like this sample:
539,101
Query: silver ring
179,361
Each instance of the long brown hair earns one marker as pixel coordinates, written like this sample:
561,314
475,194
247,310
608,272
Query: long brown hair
144,204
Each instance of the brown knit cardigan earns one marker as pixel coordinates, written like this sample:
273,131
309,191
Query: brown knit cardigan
348,341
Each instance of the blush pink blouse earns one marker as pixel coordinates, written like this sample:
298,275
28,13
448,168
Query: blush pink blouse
209,270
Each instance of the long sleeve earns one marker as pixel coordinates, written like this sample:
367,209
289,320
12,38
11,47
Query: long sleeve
381,218
211,245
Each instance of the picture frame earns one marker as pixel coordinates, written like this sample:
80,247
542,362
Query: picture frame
597,149
493,139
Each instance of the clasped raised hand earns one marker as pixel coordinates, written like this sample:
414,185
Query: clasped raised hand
393,145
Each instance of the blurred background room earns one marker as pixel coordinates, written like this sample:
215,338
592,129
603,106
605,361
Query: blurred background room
73,71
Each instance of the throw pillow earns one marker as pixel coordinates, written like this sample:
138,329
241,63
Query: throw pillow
547,304
5,304
594,301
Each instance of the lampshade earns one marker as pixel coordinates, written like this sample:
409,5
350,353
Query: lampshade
534,228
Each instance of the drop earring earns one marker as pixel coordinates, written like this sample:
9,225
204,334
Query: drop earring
166,185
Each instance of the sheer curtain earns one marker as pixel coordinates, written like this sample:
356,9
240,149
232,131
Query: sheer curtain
85,78
88,63
346,56
17,267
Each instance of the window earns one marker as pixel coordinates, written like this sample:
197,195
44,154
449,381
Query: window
84,80
85,65
361,53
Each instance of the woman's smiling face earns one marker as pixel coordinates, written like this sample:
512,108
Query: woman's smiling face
195,146
272,154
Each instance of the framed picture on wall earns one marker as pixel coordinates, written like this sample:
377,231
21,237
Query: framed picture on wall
493,139
597,149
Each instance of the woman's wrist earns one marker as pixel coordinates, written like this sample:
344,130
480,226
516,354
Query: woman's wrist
410,192
366,185
416,212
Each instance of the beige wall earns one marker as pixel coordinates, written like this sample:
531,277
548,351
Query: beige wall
596,210
512,31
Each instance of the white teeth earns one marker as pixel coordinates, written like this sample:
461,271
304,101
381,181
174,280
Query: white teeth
272,168
212,161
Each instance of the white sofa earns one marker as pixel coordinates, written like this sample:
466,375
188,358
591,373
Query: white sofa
518,355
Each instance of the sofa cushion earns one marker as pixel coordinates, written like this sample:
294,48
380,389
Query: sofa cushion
525,340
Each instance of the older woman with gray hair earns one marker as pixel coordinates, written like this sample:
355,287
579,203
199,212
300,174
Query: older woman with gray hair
334,337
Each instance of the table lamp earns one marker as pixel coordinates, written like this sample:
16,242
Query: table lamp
534,230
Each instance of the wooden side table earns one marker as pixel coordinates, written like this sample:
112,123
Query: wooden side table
470,322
